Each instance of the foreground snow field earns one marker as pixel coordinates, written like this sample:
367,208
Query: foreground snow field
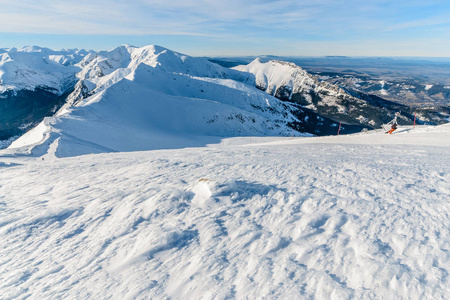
363,216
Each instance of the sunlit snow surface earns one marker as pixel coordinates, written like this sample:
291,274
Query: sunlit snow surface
363,216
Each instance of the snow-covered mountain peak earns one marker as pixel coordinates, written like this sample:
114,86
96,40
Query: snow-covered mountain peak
34,67
126,56
275,64
101,70
35,49
273,75
257,61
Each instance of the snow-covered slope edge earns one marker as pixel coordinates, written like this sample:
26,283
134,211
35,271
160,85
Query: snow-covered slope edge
152,98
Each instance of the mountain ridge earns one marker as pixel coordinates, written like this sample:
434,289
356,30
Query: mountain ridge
34,83
307,103
289,82
151,98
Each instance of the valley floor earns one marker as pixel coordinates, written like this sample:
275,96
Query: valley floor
363,216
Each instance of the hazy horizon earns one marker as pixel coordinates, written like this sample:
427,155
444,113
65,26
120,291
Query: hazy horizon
444,58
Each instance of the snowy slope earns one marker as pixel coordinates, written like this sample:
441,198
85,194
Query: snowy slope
349,217
32,67
146,98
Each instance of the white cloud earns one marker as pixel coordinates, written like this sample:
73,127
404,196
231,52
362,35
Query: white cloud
156,16
423,22
320,24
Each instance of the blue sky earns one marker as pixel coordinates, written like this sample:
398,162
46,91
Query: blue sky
232,27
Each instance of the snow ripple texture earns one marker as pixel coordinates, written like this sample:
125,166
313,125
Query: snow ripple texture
289,220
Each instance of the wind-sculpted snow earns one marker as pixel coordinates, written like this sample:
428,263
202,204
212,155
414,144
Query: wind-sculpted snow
348,217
